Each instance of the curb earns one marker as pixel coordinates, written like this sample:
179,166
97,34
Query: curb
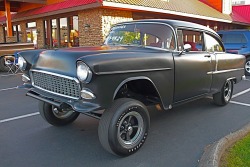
212,153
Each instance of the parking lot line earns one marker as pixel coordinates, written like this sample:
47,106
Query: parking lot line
37,113
247,79
8,89
241,93
239,103
19,117
6,75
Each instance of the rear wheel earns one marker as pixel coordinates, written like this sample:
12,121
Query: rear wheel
55,116
247,66
124,127
222,98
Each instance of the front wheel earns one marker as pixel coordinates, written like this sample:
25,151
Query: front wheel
55,116
124,127
247,67
224,96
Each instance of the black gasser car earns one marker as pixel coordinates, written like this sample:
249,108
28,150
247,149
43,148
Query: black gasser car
146,62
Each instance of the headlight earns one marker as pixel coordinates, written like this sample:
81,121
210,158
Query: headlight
22,63
84,74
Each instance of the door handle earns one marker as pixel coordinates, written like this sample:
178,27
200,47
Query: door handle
207,56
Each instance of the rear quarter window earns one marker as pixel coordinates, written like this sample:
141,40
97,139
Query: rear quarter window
213,44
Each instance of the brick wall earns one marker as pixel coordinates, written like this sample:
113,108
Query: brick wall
11,39
1,34
8,39
23,32
100,22
92,35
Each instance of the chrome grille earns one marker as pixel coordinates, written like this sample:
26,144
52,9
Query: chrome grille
56,84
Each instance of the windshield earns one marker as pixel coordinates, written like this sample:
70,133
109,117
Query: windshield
142,34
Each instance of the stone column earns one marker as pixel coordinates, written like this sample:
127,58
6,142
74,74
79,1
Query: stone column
23,32
95,24
1,34
40,33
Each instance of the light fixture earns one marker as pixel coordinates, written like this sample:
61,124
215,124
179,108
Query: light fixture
86,27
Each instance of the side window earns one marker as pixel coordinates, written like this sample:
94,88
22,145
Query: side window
234,38
151,40
194,38
180,39
212,44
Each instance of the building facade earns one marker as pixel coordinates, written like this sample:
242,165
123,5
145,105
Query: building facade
70,23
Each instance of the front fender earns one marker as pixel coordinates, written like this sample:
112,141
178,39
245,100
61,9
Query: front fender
133,79
165,93
30,56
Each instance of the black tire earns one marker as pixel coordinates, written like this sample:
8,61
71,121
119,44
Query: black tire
247,67
223,97
56,117
123,128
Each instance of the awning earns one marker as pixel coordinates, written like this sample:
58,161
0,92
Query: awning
53,9
241,14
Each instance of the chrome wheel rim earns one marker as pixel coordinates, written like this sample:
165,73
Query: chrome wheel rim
61,114
227,90
130,129
247,66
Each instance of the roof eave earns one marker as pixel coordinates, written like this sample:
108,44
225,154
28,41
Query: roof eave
241,23
149,9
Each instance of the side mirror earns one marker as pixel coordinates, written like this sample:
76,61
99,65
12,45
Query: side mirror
187,47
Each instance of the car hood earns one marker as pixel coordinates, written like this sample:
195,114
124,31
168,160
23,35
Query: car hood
101,60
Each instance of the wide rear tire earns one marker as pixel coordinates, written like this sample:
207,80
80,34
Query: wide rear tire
223,97
123,128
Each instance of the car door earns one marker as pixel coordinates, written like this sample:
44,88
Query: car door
192,68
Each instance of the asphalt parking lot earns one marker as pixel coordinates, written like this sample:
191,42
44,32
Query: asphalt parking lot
177,137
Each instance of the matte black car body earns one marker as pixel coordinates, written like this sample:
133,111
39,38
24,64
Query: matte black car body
147,74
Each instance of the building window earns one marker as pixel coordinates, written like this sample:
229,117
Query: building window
46,38
31,32
63,32
31,25
5,34
74,33
54,33
17,32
